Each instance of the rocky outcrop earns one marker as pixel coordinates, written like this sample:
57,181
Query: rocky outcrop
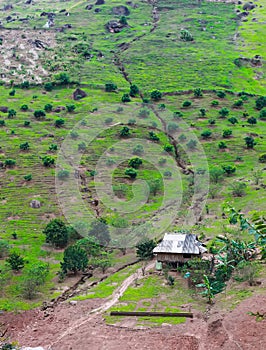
120,10
79,94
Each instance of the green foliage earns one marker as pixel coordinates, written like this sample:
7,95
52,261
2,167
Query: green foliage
134,90
125,131
26,123
263,114
110,87
212,121
24,146
168,148
192,144
186,104
261,102
185,35
202,112
48,161
70,107
59,123
9,163
198,92
221,94
91,245
262,158
227,133
172,127
48,107
24,107
108,120
16,261
222,145
216,175
144,249
131,172
25,85
11,113
252,120
2,123
28,177
82,146
35,277
208,291
75,259
4,248
233,120
48,86
238,189
74,134
63,174
250,142
215,103
238,103
206,134
224,112
100,231
135,162
247,271
62,78
125,98
144,113
56,233
167,173
229,169
155,186
153,136
53,147
177,114
103,261
156,95
39,113
12,92
138,150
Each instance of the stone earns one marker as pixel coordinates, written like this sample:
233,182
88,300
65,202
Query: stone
120,10
99,2
4,109
79,94
73,302
35,204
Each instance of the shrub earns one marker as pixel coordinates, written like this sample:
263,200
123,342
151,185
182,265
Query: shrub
262,158
131,172
119,109
70,107
39,113
108,120
56,233
4,248
224,112
48,86
138,150
215,103
11,113
62,78
263,114
186,104
156,95
132,122
24,146
229,169
162,161
28,177
185,35
63,174
252,120
75,259
192,144
135,162
211,121
221,94
168,148
53,147
2,123
12,92
15,261
222,145
24,108
59,122
134,90
48,161
250,142
172,127
153,136
125,98
216,175
238,103
261,102
9,163
238,189
144,113
206,134
74,134
202,112
110,87
182,138
82,146
227,133
177,115
124,132
167,173
48,107
25,85
233,120
198,92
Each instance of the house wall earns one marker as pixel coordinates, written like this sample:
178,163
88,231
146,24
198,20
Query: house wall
169,257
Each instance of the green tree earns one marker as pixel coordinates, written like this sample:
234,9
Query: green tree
252,120
250,142
202,112
263,114
100,231
48,86
135,162
168,148
262,158
10,163
216,175
91,245
156,95
59,123
24,107
144,249
138,150
39,113
62,78
206,134
238,189
221,94
144,113
261,102
186,104
224,112
56,233
48,161
227,133
131,172
35,277
125,98
153,136
110,87
192,144
16,261
198,92
185,35
222,145
229,169
134,90
75,259
24,146
70,107
48,107
11,113
233,120
155,186
125,131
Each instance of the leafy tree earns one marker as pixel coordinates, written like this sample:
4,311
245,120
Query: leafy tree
48,107
34,278
103,261
134,90
56,233
135,162
252,120
261,102
131,172
144,249
177,114
262,158
62,78
125,98
53,147
229,169
221,94
48,86
124,132
250,142
206,134
75,259
110,87
238,189
212,121
59,122
192,144
198,92
155,186
123,20
39,113
100,231
172,127
11,113
25,85
156,95
74,134
26,123
24,107
2,123
186,104
16,261
70,107
28,177
227,133
48,161
4,248
12,92
138,150
233,120
216,175
168,148
238,103
263,114
153,136
215,103
9,163
224,112
24,146
185,35
202,112
222,145
91,245
131,121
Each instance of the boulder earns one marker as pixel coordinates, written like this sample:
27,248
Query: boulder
79,94
8,7
99,2
114,26
248,6
4,109
97,10
35,204
88,7
120,10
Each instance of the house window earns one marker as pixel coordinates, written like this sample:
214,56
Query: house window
186,256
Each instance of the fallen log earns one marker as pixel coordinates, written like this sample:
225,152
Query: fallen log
151,314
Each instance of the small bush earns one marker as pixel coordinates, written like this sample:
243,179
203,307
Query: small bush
125,98
261,102
82,146
233,120
132,122
222,145
9,163
238,103
110,87
138,150
59,122
229,169
198,92
252,120
215,103
186,104
108,120
263,114
144,113
2,123
135,162
153,136
224,112
167,174
24,146
53,147
172,127
74,134
48,161
134,90
124,132
39,113
162,161
132,173
48,107
48,86
262,158
202,112
212,121
63,174
177,115
26,123
12,92
156,95
185,35
221,94
192,144
70,107
227,133
206,134
168,148
28,177
11,113
24,108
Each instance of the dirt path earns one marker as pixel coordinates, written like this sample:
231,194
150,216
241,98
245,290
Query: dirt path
107,305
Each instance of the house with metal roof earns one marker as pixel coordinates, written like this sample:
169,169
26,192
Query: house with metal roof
178,248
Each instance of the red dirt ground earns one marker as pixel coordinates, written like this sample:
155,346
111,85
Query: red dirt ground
233,331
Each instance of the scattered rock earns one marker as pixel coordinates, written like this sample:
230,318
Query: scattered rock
114,26
248,6
120,10
35,204
79,94
8,7
99,2
97,10
73,302
4,109
88,7
28,2
131,4
63,10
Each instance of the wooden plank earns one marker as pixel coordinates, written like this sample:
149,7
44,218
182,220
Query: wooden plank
152,314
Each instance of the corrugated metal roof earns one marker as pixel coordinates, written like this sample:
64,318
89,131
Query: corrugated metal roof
180,244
